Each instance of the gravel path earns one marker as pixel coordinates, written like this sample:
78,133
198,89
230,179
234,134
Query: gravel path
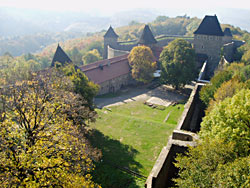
162,95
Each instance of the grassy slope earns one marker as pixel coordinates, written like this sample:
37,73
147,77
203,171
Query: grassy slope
131,135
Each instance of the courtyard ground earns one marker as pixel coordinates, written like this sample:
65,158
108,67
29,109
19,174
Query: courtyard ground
131,134
161,95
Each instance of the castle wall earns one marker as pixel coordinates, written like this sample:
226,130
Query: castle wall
109,42
184,136
113,48
115,84
165,42
114,52
229,51
211,46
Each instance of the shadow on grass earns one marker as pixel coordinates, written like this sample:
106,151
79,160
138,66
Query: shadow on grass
115,154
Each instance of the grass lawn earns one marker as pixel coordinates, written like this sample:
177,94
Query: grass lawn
131,136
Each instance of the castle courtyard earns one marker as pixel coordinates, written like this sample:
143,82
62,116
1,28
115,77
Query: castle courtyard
162,95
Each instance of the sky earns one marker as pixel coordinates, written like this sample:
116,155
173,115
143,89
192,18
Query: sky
108,6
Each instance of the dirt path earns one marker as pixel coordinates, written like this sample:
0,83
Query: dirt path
162,95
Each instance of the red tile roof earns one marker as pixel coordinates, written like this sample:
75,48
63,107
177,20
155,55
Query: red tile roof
107,69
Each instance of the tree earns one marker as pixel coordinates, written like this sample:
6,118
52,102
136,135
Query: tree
87,89
178,63
236,71
227,89
41,145
143,64
246,57
226,126
75,56
91,56
96,45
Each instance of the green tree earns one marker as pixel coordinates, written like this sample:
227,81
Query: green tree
87,89
40,144
237,71
143,64
91,56
75,56
246,57
13,69
178,63
224,144
98,45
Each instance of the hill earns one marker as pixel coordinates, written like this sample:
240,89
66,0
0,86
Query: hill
25,31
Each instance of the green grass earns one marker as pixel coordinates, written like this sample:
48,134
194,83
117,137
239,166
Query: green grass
130,135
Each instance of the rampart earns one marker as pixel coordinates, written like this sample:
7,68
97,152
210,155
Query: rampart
183,136
114,52
119,48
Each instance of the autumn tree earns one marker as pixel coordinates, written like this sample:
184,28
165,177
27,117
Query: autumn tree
91,56
178,63
236,71
18,68
76,56
42,144
222,156
87,89
143,64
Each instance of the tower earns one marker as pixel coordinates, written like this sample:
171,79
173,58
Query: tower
60,56
110,39
208,40
228,37
147,38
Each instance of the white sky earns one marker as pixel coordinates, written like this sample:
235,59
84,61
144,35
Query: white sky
107,6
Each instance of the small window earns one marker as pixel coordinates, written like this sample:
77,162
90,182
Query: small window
210,38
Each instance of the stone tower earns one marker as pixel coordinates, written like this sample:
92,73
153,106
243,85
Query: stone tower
110,39
147,38
228,37
208,40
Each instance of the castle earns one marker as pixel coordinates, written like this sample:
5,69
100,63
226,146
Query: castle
209,42
113,72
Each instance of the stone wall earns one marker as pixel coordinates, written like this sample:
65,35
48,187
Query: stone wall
165,42
113,48
115,84
114,53
211,46
228,51
184,136
109,42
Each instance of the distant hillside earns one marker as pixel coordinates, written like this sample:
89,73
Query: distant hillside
25,31
162,25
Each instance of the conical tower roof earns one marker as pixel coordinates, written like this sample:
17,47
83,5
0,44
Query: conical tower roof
60,56
111,33
147,36
227,32
210,26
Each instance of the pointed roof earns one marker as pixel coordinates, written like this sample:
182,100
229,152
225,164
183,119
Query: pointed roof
227,32
60,56
147,36
111,33
210,26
